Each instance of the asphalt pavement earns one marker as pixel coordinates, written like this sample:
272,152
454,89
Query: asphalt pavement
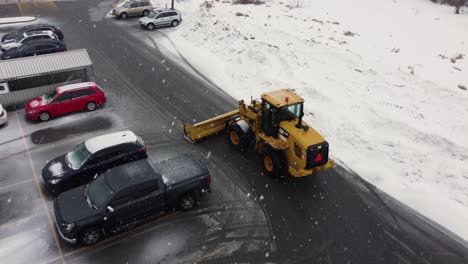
331,217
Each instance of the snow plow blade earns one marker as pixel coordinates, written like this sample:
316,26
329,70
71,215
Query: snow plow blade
197,132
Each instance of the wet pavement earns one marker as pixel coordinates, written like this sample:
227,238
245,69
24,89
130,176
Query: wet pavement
333,217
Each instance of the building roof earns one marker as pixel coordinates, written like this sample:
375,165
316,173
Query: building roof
69,87
96,144
49,63
282,98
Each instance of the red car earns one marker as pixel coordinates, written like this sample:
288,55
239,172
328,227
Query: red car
66,99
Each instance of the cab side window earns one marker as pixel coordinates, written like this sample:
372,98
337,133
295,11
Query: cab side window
63,98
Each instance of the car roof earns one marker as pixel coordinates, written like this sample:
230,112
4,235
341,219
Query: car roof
130,174
165,10
69,87
96,144
41,41
38,26
181,168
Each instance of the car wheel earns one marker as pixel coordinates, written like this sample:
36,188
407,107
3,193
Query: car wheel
237,138
90,236
187,202
146,13
174,23
123,16
273,164
44,116
91,106
150,26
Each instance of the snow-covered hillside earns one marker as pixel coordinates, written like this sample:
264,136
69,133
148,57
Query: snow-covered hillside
385,81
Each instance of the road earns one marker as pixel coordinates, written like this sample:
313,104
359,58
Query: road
333,217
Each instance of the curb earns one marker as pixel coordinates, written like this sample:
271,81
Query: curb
13,20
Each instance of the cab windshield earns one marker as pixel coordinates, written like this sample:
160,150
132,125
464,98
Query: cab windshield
77,157
290,112
98,192
47,98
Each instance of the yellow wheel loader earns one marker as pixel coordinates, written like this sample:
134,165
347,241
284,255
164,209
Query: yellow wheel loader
273,126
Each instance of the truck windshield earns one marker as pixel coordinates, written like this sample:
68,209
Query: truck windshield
290,112
78,156
47,98
98,192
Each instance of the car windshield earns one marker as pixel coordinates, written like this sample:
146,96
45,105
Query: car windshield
153,14
290,112
47,98
98,192
126,5
78,156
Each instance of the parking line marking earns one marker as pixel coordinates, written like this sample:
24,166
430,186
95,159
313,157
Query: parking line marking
209,255
14,184
19,7
36,179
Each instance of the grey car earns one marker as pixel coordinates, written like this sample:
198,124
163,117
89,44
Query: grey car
162,17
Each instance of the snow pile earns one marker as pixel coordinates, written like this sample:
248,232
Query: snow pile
384,81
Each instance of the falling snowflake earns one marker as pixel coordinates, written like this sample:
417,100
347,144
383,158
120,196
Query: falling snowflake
170,130
208,155
94,26
248,195
152,68
267,254
261,198
163,81
9,200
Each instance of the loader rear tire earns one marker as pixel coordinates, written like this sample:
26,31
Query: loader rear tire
274,164
237,138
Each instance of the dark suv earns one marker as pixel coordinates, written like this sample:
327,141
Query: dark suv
124,196
90,158
35,47
38,27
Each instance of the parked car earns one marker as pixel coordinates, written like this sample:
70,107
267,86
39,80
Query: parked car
26,37
132,8
37,27
33,48
92,157
163,17
3,115
124,196
66,99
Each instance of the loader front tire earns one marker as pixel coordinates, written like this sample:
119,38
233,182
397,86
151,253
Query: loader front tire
273,164
237,138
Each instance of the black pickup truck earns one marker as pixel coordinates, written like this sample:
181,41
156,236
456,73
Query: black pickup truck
124,196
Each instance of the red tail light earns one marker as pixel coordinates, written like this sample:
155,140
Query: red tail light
208,179
142,150
318,158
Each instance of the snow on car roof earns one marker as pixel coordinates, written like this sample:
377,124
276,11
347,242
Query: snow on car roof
105,141
69,87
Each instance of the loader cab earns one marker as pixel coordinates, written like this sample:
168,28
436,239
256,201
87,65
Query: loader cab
278,106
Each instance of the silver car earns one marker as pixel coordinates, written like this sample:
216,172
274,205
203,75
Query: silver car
162,17
26,37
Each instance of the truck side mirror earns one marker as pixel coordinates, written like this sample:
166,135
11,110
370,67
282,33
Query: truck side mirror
110,209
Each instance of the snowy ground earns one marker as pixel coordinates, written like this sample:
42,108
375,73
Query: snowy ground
385,81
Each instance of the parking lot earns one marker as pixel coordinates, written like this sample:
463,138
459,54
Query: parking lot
248,217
